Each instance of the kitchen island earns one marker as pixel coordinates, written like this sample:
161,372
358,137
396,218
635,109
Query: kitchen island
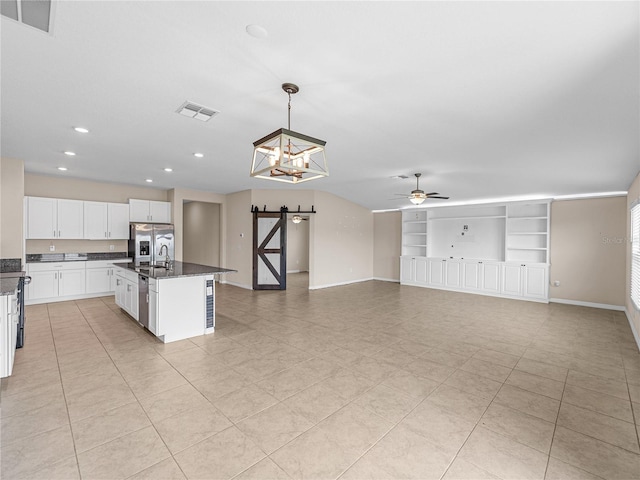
172,303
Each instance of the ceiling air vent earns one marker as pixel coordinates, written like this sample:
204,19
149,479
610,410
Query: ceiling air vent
35,13
193,110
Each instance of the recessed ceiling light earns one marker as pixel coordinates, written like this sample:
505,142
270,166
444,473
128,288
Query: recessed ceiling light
199,155
81,130
62,169
257,31
168,169
71,154
148,180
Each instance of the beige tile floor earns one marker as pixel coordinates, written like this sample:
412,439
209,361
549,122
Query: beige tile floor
368,381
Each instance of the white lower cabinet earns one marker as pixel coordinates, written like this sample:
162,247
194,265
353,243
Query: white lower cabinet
8,332
414,270
471,275
437,272
453,273
490,277
51,280
526,281
126,293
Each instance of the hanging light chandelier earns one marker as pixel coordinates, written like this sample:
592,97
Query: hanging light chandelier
288,156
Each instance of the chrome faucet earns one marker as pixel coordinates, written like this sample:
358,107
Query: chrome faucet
167,258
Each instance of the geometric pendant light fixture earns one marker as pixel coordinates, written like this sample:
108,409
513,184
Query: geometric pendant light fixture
288,156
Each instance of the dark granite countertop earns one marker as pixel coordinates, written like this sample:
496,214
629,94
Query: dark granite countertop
9,285
180,269
73,257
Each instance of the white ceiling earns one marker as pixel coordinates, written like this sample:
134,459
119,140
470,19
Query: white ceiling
486,99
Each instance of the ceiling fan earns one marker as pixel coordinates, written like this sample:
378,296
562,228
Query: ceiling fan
298,219
418,196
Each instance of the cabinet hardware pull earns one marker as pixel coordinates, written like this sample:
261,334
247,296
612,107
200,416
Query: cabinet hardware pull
59,234
105,234
54,234
55,276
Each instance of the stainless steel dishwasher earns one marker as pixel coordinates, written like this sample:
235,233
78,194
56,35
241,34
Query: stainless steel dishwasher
143,300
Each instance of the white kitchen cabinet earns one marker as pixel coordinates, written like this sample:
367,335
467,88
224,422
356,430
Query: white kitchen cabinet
49,218
95,220
71,282
43,284
149,211
126,294
118,221
9,317
51,280
106,221
42,217
421,270
98,279
153,306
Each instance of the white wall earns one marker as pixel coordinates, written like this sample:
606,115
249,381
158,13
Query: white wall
387,245
297,246
341,237
11,208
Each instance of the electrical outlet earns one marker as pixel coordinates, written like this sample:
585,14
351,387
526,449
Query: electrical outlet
556,283
52,248
112,247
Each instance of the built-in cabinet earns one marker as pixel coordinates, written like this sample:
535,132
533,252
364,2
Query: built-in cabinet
60,281
493,249
58,218
54,218
127,291
51,280
9,318
149,211
106,221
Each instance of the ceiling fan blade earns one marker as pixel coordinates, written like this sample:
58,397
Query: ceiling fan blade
443,198
402,194
432,193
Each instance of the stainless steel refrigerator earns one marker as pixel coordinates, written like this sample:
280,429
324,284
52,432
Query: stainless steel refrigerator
150,243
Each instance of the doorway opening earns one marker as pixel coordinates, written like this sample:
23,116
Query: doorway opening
298,252
201,232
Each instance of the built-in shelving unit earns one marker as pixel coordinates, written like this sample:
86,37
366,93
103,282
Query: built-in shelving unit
492,249
527,232
414,233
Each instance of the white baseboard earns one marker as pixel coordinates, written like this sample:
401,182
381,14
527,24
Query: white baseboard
317,287
84,296
240,285
394,280
579,303
633,328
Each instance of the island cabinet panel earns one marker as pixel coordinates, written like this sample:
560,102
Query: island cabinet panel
180,308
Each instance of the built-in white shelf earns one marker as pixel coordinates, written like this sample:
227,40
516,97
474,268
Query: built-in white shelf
468,217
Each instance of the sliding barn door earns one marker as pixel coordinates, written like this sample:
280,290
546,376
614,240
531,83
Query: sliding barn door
269,250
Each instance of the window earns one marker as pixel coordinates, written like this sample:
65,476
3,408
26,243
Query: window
635,255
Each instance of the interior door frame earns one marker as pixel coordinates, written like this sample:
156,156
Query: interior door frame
260,250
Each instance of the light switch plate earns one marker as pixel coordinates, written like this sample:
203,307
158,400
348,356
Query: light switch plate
52,248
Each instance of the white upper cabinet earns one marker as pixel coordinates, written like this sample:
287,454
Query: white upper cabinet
106,221
149,211
55,218
118,221
42,218
95,220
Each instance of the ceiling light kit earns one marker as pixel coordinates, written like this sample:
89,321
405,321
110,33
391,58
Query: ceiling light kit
288,156
418,196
